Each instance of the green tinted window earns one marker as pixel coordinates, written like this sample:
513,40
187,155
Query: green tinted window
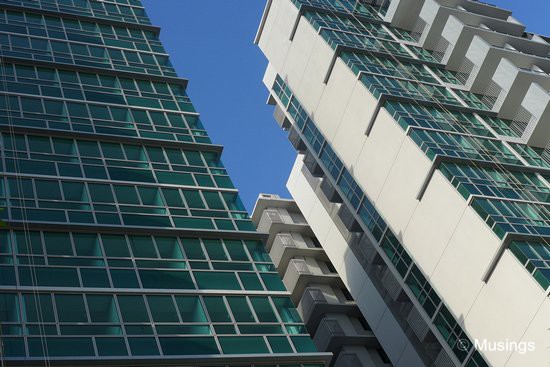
132,308
168,248
243,344
263,309
38,308
102,308
240,309
215,250
48,190
58,243
279,344
74,191
70,308
162,309
190,309
216,309
188,345
126,194
142,246
115,246
287,311
28,243
101,193
87,244
9,307
111,346
216,280
193,248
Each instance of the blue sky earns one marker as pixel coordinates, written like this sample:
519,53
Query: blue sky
210,43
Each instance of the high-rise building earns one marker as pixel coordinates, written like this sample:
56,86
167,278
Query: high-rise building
421,128
126,242
329,311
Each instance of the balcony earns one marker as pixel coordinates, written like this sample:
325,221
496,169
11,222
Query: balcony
314,305
287,246
359,357
332,334
460,37
277,220
299,275
403,13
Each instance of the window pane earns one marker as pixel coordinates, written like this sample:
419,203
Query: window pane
190,309
87,244
70,308
132,309
162,309
9,307
115,246
243,344
240,309
58,243
142,246
102,308
168,248
38,308
263,309
216,309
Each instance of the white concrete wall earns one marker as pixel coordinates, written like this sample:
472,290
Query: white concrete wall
385,327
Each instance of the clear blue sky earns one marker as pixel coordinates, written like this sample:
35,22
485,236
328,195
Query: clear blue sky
210,43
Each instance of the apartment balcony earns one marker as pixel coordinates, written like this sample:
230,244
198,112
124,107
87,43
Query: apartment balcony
274,221
286,247
359,358
536,110
312,165
296,141
281,119
460,36
512,84
314,304
404,13
434,16
332,334
299,275
349,360
330,192
348,219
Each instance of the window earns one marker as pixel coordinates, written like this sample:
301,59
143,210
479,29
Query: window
70,308
132,308
38,308
263,309
9,308
190,309
243,345
216,309
142,246
240,309
58,243
115,246
162,309
102,308
48,190
217,280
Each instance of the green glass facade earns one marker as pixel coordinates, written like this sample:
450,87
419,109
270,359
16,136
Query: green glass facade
125,238
505,183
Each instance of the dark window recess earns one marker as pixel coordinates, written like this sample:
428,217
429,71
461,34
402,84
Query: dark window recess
347,294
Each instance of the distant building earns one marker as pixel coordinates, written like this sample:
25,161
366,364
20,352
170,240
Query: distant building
323,301
421,128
